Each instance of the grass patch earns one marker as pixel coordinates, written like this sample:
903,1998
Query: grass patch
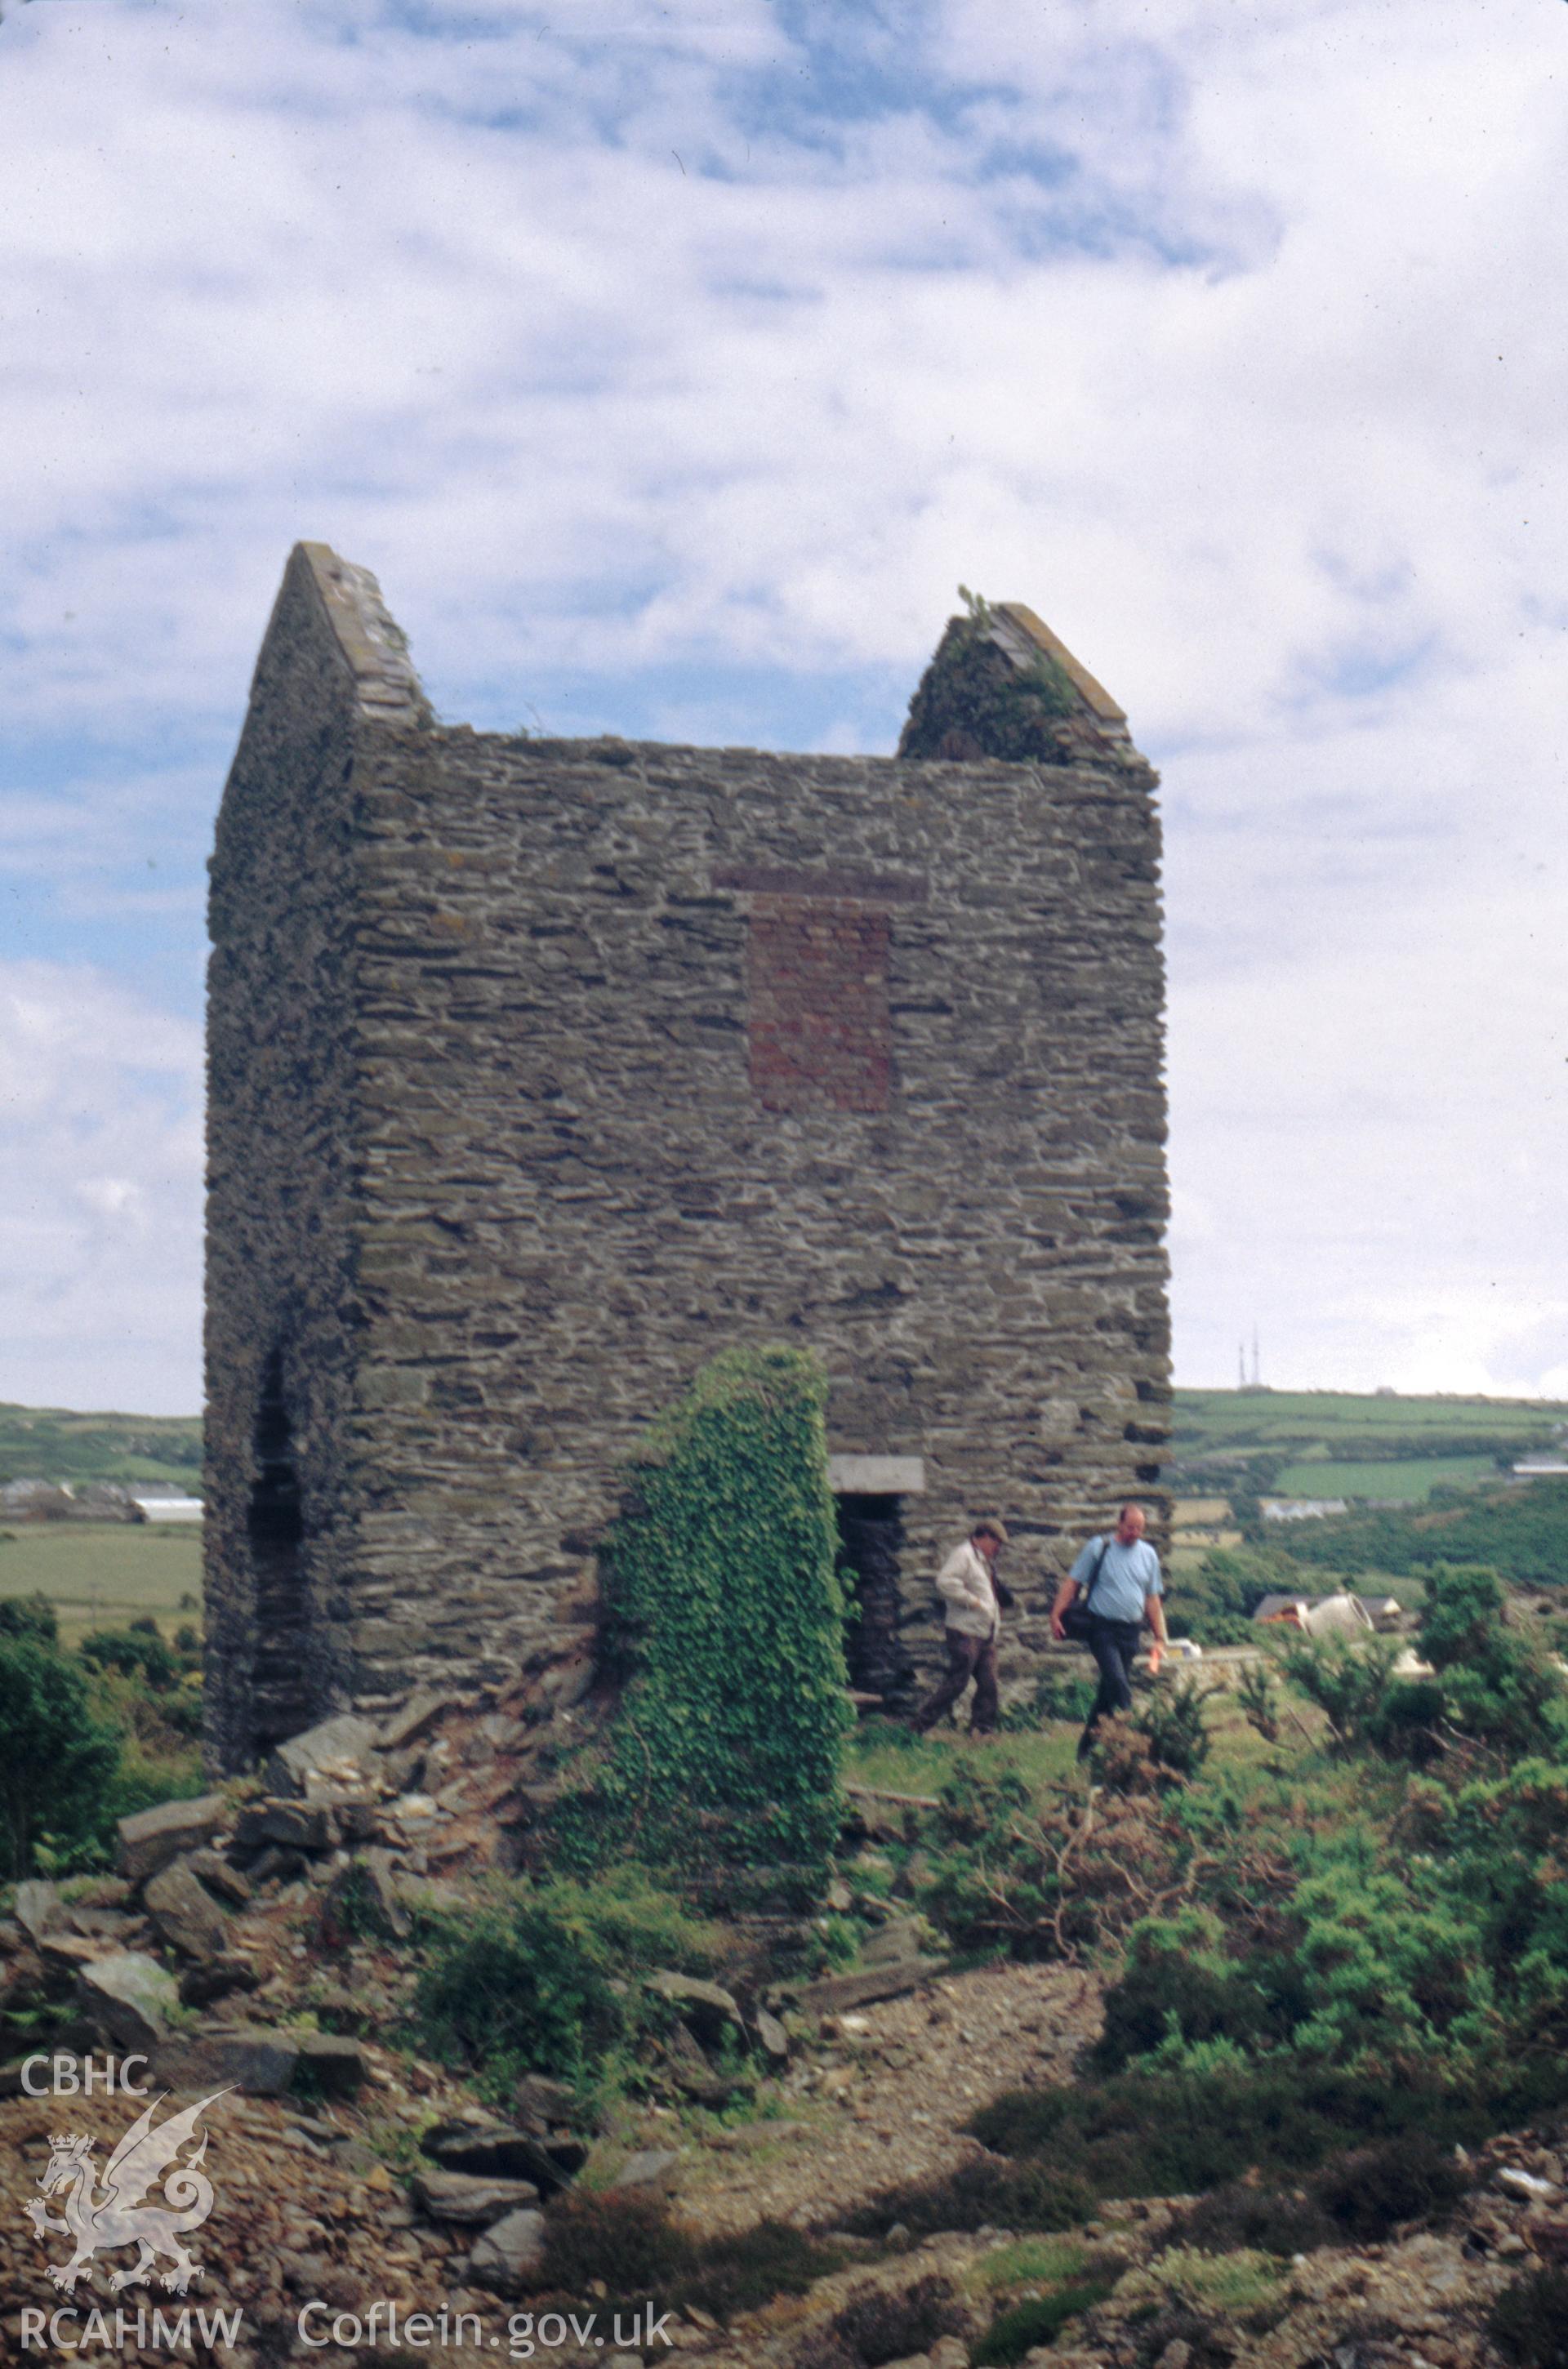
1029,2261
1237,2283
890,1759
57,1444
1408,1478
1355,1422
1040,2319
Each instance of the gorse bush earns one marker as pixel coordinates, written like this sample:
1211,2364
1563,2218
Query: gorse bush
1491,1683
135,1651
544,1979
1162,2133
30,1615
1497,1685
1056,1880
1257,1697
1172,1722
632,2249
726,1616
1347,1679
57,1763
1528,2322
1216,1602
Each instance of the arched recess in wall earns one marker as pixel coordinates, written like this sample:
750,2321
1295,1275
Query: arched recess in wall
281,1696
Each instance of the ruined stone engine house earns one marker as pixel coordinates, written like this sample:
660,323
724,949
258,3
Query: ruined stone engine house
540,1071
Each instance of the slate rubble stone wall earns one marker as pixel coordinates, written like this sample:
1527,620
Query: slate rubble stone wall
543,1070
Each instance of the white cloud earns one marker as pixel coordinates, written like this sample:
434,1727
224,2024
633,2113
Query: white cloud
654,355
100,1139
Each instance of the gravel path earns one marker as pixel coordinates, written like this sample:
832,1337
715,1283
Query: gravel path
903,2078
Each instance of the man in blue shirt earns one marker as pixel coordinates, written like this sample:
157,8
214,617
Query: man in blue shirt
1120,1575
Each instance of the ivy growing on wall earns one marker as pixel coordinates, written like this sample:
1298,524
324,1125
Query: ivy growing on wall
726,1614
973,701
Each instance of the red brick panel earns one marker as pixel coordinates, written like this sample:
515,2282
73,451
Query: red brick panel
818,1025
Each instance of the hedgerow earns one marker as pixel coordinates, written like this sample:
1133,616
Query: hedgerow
1523,1533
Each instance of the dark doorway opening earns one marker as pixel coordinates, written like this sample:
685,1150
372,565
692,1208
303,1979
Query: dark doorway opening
871,1536
280,1699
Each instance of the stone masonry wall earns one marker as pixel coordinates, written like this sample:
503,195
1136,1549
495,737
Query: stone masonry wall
282,1098
601,1055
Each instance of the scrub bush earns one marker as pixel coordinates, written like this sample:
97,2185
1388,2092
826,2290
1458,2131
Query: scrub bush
634,2250
30,1615
1040,2319
881,2324
134,1653
1528,2322
544,1978
57,1763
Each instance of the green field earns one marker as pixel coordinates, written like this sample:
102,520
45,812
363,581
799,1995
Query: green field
1406,1476
1208,1422
50,1444
1344,1444
101,1574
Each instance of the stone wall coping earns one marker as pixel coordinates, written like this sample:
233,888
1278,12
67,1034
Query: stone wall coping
372,641
1029,628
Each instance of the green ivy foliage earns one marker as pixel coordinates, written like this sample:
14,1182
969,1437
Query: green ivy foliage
726,1612
973,700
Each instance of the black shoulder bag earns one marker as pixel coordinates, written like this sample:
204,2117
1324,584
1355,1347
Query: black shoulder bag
1076,1619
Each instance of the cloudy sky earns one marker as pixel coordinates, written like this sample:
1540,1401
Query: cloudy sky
671,365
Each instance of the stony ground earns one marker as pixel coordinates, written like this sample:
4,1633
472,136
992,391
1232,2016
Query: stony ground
317,2205
394,2187
889,2104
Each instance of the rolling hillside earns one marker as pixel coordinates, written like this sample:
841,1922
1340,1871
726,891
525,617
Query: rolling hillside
55,1445
1340,1444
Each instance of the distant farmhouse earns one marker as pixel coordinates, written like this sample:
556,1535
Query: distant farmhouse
542,1069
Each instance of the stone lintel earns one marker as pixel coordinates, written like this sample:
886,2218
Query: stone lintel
876,1476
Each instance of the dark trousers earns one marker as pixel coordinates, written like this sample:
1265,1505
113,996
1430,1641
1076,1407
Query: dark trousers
1113,1644
967,1658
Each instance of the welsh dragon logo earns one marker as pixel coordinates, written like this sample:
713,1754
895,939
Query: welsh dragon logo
100,2215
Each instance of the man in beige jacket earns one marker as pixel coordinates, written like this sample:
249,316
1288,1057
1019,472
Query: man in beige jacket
969,1582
